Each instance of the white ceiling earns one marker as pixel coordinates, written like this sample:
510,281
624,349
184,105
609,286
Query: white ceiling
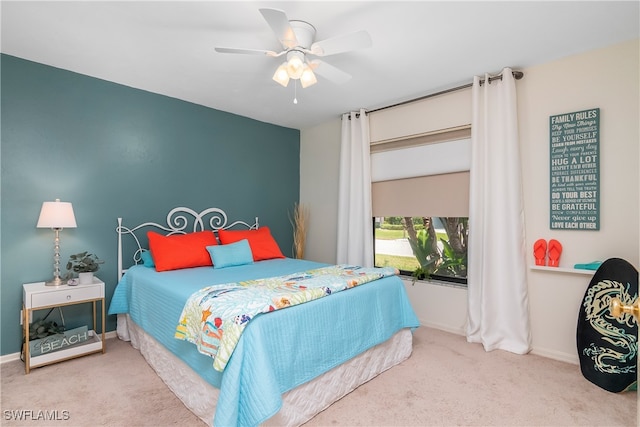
167,47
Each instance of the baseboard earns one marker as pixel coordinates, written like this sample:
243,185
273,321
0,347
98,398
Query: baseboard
550,354
16,356
443,327
557,355
9,358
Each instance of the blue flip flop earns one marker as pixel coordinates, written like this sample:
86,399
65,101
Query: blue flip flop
590,266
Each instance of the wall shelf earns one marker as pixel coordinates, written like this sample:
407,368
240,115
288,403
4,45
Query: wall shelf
563,270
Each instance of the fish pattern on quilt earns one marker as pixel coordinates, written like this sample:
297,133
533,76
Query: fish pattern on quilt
214,317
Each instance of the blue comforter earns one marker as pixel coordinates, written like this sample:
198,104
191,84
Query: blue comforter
261,367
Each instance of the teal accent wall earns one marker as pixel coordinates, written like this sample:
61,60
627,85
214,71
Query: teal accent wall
114,151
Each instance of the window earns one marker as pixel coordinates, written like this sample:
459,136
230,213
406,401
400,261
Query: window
420,201
431,247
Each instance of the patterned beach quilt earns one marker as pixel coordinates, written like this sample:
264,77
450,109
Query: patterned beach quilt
214,317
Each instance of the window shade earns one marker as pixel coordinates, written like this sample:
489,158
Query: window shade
443,111
443,135
434,195
423,160
420,157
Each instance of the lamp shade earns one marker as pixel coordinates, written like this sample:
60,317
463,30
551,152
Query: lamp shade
56,215
308,78
295,65
281,76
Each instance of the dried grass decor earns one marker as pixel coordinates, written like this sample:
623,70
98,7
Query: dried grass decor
300,222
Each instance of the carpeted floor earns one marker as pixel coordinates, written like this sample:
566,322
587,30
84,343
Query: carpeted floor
446,382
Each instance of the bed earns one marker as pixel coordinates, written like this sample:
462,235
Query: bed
288,364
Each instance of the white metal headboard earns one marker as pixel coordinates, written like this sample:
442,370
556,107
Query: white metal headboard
180,220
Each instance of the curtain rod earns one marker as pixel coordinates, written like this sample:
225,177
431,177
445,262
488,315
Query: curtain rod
516,75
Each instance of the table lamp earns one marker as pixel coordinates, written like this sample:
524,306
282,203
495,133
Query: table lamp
56,215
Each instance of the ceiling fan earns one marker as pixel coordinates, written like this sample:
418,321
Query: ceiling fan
298,43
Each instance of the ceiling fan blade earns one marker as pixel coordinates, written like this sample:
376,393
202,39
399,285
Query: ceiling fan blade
329,72
279,23
247,51
340,44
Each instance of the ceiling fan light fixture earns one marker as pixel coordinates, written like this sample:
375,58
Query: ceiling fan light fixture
308,77
298,39
281,76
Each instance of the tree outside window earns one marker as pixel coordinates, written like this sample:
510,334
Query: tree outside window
425,247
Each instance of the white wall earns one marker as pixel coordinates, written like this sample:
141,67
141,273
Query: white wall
607,79
439,306
319,165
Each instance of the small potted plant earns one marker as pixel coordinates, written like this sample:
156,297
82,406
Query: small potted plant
420,273
39,330
85,264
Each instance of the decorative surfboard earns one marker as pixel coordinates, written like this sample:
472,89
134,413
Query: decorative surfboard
608,346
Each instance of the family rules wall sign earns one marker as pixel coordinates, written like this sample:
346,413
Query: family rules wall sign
575,170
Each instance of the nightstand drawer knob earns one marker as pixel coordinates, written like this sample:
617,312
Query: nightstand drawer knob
68,297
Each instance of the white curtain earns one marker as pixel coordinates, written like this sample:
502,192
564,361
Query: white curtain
355,225
497,286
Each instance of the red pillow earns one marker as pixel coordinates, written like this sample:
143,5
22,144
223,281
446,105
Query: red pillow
263,245
181,250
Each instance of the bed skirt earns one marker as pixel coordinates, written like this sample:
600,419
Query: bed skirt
299,405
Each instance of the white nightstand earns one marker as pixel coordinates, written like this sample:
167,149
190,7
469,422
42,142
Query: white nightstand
38,296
